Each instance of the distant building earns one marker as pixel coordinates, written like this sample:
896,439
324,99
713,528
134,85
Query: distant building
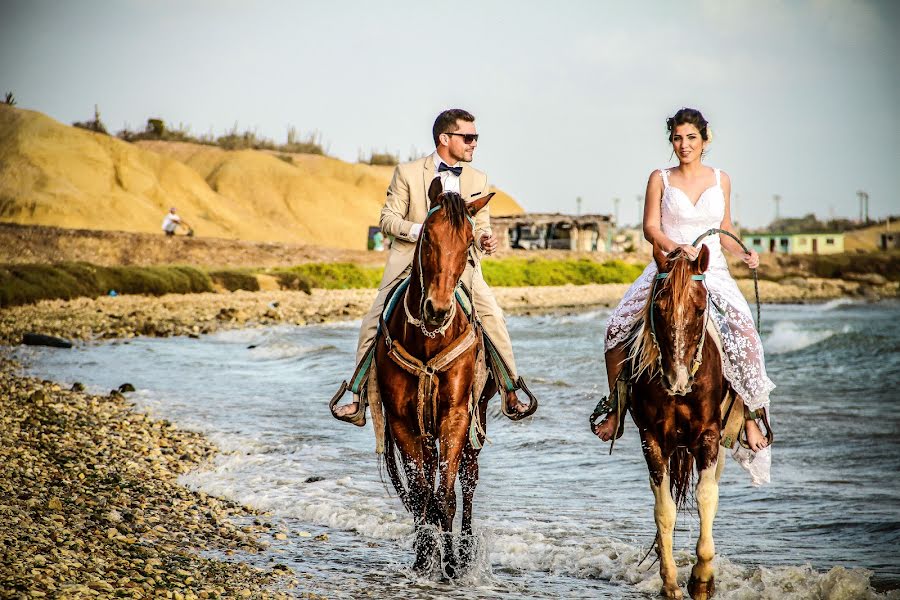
890,240
795,243
533,231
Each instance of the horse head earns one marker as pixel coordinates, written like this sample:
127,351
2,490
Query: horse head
444,242
677,313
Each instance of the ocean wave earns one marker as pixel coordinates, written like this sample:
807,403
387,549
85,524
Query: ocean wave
837,303
282,350
788,336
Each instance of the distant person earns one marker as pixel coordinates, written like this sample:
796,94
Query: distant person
378,242
682,203
172,221
405,209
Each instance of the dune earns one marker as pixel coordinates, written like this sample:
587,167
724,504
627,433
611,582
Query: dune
57,175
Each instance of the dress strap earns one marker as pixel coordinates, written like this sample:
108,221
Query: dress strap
664,173
718,177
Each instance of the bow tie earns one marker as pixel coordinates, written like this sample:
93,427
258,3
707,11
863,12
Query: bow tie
455,170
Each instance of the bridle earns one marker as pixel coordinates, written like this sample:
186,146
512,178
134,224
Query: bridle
420,323
698,354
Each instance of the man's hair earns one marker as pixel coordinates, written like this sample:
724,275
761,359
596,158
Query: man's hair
446,122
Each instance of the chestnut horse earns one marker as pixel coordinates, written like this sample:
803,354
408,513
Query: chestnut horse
426,375
677,387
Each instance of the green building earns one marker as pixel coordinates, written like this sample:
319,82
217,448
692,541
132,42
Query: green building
795,243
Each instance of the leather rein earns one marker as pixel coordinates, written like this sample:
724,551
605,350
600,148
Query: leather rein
698,355
412,320
427,372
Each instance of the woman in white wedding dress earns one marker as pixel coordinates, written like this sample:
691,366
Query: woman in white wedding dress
681,204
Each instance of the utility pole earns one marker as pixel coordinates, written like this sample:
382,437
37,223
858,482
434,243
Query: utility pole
578,204
863,206
616,211
640,210
777,199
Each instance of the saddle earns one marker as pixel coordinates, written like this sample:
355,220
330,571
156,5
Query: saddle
733,410
364,384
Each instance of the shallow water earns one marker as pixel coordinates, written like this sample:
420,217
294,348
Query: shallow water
556,516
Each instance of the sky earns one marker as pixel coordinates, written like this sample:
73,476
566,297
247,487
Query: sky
570,97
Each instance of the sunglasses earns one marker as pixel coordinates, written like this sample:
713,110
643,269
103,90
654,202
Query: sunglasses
468,138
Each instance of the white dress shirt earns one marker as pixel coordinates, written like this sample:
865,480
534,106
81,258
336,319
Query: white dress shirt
449,182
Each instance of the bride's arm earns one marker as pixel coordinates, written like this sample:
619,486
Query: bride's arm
653,232
751,258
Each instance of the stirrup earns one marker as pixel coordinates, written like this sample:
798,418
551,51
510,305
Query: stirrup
359,417
532,403
760,414
606,405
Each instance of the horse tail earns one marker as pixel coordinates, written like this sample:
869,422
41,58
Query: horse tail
681,471
391,461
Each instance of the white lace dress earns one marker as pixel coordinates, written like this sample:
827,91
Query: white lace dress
742,358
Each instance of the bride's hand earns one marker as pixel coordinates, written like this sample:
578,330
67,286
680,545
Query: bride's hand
690,251
751,258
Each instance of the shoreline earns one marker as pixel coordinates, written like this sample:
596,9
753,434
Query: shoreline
90,486
92,506
128,316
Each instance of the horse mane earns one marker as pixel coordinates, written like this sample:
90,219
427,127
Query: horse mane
644,353
455,208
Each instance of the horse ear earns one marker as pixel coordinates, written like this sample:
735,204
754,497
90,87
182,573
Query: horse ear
702,261
434,190
474,207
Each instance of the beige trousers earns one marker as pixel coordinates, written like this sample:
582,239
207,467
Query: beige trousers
486,308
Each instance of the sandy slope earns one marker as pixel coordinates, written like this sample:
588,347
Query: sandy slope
54,174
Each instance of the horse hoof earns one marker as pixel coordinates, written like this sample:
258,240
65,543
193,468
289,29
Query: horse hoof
701,590
672,593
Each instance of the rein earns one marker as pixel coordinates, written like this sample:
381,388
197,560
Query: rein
698,355
755,278
427,372
412,320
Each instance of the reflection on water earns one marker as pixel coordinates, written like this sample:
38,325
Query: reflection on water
557,517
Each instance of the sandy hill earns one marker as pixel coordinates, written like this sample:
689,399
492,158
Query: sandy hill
57,175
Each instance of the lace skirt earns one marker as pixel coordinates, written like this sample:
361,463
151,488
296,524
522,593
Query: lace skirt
742,358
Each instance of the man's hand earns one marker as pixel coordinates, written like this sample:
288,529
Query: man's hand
489,243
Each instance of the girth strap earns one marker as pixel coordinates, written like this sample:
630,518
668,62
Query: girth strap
428,373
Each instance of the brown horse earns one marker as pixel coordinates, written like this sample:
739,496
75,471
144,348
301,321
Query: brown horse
677,388
426,374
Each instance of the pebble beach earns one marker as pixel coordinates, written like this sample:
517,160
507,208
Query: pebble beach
91,504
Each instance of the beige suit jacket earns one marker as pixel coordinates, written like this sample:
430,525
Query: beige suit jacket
407,204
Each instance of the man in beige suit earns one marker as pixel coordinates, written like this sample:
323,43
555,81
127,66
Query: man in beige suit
405,209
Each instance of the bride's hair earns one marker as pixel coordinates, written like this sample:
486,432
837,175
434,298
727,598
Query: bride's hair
692,116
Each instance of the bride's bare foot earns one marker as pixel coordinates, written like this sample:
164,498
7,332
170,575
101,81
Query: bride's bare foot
607,428
755,438
346,410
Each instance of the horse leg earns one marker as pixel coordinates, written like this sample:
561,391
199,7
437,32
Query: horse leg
701,585
419,493
664,513
453,431
468,479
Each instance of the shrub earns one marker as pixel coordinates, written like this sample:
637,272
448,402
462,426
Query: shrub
516,272
235,279
95,125
329,276
383,159
24,284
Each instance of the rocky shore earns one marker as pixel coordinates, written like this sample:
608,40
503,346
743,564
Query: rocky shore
90,503
197,314
91,506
